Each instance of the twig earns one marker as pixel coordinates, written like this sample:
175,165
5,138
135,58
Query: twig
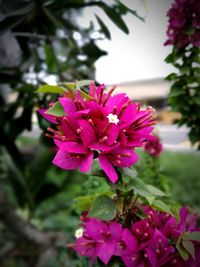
38,36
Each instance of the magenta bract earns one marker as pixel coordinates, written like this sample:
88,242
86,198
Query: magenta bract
153,146
104,126
149,242
184,23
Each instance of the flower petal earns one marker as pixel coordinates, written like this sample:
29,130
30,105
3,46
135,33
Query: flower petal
106,251
108,168
116,230
71,147
48,117
96,228
130,240
65,161
87,133
86,162
68,105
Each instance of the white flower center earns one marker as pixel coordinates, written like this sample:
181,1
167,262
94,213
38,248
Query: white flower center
113,118
79,233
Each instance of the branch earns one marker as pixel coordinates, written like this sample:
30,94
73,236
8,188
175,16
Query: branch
22,228
38,36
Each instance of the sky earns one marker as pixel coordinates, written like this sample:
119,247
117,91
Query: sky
139,55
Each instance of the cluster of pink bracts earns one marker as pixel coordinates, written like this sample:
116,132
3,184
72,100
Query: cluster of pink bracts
153,146
148,242
103,126
184,23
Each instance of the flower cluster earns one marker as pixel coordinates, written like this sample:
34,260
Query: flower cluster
148,242
101,125
153,146
184,23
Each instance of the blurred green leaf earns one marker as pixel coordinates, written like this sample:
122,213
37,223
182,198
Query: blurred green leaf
160,205
171,77
182,251
194,236
155,191
124,10
50,58
140,187
56,110
103,26
51,89
16,8
103,208
176,90
130,172
189,247
83,203
116,18
82,83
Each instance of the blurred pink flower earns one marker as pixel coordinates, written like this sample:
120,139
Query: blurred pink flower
184,23
153,146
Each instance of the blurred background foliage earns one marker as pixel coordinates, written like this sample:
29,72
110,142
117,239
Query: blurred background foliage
40,39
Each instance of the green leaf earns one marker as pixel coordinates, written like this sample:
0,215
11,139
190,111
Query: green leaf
150,199
82,83
183,253
57,23
197,100
50,58
51,89
194,236
161,206
103,208
176,91
189,30
56,110
83,203
189,247
140,187
116,18
171,77
130,172
174,56
103,26
155,191
17,8
124,10
69,86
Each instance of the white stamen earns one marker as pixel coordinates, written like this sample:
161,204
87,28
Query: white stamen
113,118
79,232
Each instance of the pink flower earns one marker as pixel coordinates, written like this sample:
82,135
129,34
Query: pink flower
149,242
153,146
104,126
184,23
99,239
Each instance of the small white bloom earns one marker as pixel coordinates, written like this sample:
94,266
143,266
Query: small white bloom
113,118
79,232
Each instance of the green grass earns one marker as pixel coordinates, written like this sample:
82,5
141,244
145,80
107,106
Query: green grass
183,171
179,175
